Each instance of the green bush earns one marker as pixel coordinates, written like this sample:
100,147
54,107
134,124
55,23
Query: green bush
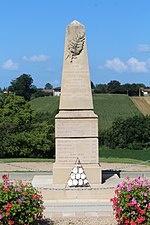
131,133
19,203
38,142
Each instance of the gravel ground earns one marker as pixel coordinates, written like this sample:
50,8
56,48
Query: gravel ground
80,221
47,166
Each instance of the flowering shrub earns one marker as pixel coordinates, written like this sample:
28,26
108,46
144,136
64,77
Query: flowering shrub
19,203
132,202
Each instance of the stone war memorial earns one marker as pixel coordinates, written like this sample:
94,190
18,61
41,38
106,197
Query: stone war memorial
76,125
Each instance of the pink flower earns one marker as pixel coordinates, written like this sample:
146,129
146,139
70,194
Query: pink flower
132,223
17,189
128,196
116,192
6,188
129,204
5,177
140,220
1,216
134,201
10,222
142,211
118,211
144,194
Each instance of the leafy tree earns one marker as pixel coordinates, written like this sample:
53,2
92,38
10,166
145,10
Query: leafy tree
113,86
134,89
48,86
38,142
101,88
21,135
125,88
39,93
131,133
15,110
22,86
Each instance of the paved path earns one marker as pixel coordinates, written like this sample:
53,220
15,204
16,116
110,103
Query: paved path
47,166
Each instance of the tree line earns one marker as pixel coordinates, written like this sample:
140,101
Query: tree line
115,87
23,86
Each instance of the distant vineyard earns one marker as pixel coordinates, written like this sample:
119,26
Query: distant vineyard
108,107
143,104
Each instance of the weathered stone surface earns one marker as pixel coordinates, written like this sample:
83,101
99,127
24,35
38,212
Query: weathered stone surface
76,125
69,149
76,87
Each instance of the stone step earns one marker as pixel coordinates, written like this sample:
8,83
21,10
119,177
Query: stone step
77,208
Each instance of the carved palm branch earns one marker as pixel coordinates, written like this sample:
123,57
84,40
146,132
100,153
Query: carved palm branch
75,46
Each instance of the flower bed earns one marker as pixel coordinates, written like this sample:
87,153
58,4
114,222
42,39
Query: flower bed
19,203
131,203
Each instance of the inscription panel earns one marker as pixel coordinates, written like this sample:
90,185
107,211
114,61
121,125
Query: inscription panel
76,93
76,128
68,150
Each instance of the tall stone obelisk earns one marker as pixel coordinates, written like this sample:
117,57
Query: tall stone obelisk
76,125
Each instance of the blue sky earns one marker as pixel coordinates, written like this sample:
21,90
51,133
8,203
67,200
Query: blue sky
32,34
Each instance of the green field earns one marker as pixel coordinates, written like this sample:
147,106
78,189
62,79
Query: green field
45,104
107,106
125,156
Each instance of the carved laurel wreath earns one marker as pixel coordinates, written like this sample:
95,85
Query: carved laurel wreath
75,46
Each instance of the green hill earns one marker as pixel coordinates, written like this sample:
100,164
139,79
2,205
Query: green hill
107,106
45,104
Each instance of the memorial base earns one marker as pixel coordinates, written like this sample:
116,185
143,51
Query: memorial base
61,173
58,192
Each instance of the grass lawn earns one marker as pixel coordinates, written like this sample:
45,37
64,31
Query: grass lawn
125,156
106,155
9,160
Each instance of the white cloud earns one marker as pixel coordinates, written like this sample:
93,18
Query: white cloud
116,65
131,65
10,65
137,66
143,48
36,58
